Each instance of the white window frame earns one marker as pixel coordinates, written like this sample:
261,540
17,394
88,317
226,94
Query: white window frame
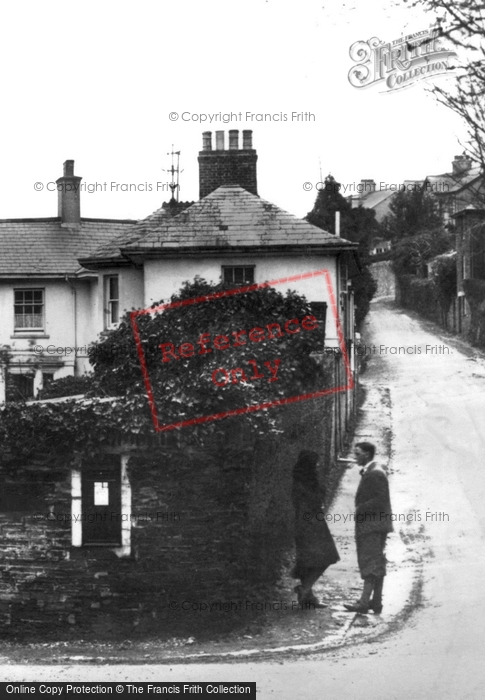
233,267
110,301
27,329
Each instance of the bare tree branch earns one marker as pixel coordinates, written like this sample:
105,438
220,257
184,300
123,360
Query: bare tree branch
463,23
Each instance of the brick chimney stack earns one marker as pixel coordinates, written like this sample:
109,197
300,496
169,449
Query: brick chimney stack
461,165
367,187
234,166
69,196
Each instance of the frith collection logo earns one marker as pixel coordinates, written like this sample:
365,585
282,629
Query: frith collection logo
400,63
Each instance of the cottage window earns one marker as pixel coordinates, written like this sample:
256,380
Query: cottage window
238,275
29,309
20,387
112,300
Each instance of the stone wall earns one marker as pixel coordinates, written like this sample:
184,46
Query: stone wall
208,524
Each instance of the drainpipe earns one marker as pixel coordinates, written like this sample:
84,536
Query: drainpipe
74,295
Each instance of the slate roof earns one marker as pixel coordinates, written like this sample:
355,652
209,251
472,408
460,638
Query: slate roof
110,250
452,183
45,248
231,217
470,209
374,198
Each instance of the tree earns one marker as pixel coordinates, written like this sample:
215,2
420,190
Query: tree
411,212
328,201
411,254
416,230
463,23
358,225
203,358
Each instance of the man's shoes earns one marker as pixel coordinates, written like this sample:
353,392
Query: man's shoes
357,608
375,607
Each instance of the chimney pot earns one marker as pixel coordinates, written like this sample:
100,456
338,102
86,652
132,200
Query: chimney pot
68,168
219,140
461,165
68,196
247,139
367,186
207,141
233,139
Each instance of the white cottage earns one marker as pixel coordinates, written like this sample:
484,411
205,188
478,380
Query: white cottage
230,234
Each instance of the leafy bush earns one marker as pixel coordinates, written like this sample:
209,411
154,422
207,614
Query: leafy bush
418,294
186,386
182,388
66,386
411,254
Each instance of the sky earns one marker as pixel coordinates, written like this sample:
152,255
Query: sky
97,82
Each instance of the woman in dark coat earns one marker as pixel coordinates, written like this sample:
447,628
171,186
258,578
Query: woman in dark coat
315,548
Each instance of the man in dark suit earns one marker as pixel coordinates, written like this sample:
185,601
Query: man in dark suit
373,522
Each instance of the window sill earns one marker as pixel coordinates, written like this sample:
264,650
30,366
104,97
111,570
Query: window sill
99,553
106,544
29,334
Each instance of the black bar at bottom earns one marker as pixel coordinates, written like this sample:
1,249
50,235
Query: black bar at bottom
203,691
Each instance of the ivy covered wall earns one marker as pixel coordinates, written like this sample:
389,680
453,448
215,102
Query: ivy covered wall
210,523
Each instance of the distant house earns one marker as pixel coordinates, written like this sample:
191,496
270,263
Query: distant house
461,200
378,196
372,197
457,189
453,190
379,246
470,260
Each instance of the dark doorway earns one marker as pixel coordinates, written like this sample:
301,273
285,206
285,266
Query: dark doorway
101,501
20,387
